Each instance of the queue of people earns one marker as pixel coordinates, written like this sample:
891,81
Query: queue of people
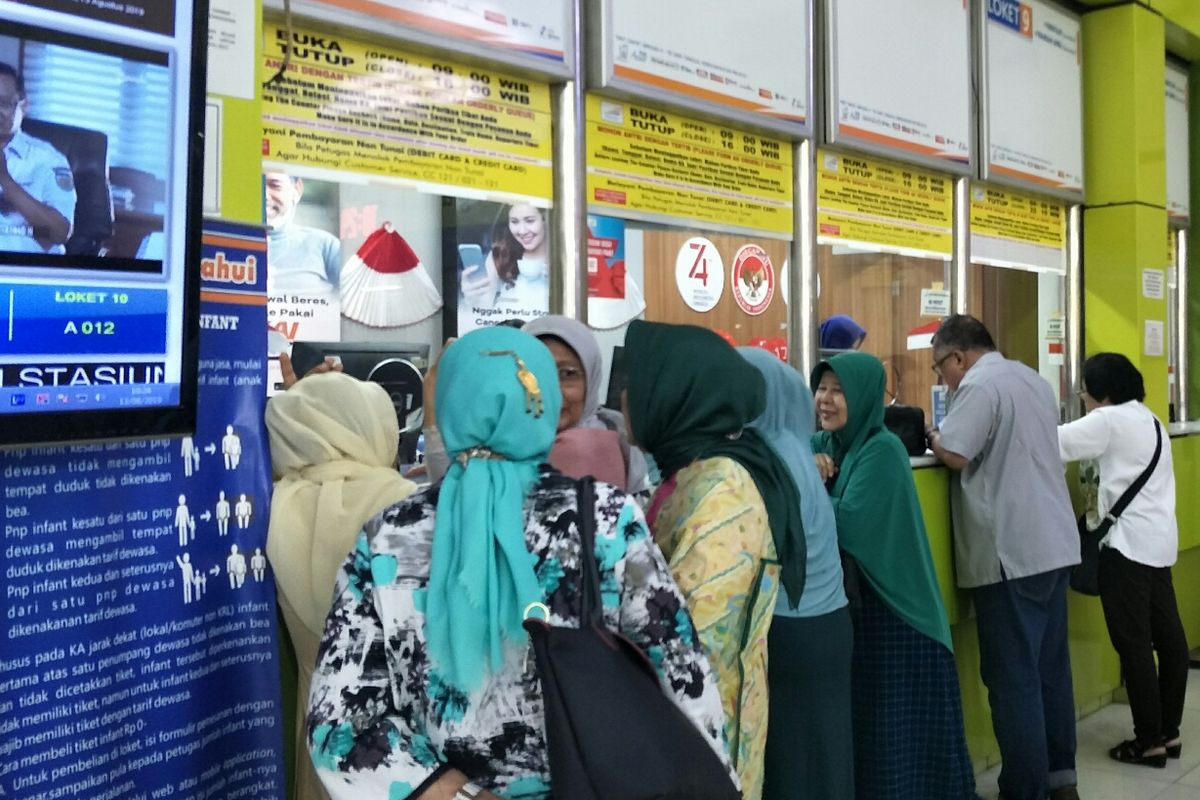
778,578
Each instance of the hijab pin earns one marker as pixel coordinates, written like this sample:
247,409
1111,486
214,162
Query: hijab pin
529,381
485,453
733,437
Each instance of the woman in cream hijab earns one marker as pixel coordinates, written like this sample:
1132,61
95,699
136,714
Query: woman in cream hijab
334,441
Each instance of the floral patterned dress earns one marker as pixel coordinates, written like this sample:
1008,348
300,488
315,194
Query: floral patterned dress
710,521
381,723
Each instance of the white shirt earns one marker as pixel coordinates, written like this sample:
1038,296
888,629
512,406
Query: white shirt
1121,438
44,173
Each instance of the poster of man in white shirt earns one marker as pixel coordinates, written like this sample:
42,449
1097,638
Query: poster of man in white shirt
304,260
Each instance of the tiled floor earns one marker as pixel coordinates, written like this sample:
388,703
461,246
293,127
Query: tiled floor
1101,778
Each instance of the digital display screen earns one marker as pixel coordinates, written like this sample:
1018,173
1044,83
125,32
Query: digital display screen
100,181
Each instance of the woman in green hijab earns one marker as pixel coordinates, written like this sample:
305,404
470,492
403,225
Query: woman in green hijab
908,729
424,686
727,515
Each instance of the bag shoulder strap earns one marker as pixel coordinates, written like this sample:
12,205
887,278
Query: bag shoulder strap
589,577
1127,497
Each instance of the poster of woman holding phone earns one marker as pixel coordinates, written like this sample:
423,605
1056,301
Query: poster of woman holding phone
507,275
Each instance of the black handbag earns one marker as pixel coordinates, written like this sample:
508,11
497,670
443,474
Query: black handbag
611,732
908,423
1085,578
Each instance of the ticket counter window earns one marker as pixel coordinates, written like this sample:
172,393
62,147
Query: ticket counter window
733,284
1017,279
1023,310
898,301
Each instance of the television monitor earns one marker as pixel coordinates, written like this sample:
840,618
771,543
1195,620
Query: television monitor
398,368
101,124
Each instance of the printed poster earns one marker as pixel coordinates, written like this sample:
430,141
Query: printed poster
614,298
885,205
606,257
138,617
1011,229
503,262
430,123
643,161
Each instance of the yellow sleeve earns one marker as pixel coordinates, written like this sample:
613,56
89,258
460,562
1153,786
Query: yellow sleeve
714,531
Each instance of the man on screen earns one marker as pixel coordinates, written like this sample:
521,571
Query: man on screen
37,191
299,258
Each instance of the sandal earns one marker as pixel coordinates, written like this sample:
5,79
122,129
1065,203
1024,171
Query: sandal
1132,752
1174,750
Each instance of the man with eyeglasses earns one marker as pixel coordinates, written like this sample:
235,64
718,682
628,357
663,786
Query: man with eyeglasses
37,188
1015,542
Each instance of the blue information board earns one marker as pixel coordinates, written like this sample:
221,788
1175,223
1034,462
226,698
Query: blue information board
139,656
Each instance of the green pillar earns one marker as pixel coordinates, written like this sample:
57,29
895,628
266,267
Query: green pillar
1125,220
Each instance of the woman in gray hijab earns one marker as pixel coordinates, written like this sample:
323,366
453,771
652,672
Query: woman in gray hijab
580,368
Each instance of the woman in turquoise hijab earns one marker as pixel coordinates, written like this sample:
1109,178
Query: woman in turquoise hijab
908,728
810,751
424,683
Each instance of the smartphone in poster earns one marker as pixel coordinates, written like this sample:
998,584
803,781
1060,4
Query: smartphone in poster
503,261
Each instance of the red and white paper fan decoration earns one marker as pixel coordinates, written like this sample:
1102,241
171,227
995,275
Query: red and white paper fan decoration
384,284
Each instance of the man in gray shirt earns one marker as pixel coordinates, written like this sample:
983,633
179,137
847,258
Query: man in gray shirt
1015,541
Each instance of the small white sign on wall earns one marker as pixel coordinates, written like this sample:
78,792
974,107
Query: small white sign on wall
1152,283
1056,329
935,303
1152,344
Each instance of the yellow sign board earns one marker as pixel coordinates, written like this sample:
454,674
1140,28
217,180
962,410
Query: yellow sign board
894,206
346,105
1172,253
644,160
1015,217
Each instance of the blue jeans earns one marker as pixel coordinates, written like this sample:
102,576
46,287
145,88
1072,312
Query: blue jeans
1025,664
